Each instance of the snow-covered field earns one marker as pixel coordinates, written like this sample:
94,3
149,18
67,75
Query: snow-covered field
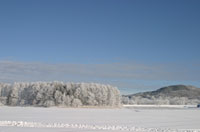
160,106
92,119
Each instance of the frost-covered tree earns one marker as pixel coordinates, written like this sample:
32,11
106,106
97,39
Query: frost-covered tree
59,94
4,92
161,100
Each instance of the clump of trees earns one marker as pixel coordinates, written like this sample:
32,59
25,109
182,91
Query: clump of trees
59,94
159,100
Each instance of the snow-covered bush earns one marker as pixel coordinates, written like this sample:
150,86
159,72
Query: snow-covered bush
59,94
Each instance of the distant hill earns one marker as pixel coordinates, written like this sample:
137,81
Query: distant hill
175,94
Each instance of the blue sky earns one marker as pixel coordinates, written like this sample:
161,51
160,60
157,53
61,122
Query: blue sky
133,44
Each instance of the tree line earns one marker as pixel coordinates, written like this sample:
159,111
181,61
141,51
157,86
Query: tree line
59,94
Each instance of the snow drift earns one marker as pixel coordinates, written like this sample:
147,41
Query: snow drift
59,94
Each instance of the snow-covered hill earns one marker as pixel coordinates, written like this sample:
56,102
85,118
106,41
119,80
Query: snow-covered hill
173,95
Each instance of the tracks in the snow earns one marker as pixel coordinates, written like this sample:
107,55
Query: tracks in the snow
87,126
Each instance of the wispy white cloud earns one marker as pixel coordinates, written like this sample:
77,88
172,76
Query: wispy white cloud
116,73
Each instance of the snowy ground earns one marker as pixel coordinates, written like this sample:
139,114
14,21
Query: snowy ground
99,120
